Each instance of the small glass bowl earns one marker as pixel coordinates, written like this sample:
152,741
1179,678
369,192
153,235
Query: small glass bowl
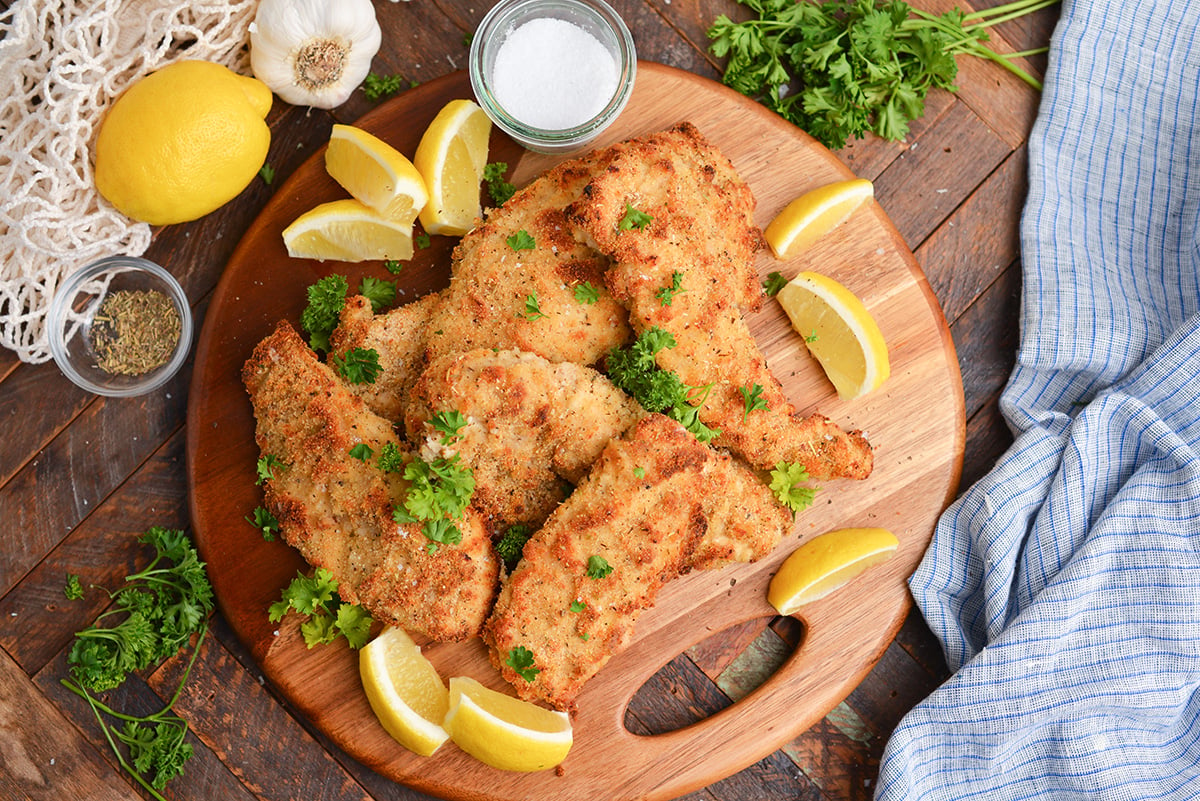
593,16
69,323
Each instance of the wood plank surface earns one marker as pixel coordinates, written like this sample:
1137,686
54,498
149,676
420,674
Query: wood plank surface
81,477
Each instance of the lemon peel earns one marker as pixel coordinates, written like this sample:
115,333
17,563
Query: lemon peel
839,331
503,731
451,157
826,563
405,691
814,214
375,173
182,142
347,230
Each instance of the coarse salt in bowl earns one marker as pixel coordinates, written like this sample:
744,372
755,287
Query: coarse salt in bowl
130,347
552,74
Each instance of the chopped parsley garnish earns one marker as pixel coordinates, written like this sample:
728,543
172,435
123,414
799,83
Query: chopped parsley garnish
667,293
635,370
363,452
377,87
326,298
73,589
381,293
811,337
267,173
499,189
520,659
421,240
753,399
533,309
512,544
358,365
328,616
632,218
392,266
586,293
640,472
578,606
521,240
391,458
266,467
448,424
598,567
785,480
264,521
438,494
775,282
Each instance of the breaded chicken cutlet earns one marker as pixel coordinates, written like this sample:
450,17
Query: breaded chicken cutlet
656,504
336,510
532,427
698,246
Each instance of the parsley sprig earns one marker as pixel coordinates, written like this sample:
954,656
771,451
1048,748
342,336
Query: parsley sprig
357,365
438,494
635,370
162,606
327,616
498,189
785,483
841,68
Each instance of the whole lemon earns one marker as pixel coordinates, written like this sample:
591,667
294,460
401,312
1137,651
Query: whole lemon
182,142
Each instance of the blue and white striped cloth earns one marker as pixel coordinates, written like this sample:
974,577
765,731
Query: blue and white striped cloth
1065,585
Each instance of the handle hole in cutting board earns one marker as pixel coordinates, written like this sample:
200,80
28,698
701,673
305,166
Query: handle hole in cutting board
728,666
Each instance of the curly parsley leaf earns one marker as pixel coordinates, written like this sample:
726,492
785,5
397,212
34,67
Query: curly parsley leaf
264,521
73,589
521,240
752,399
498,189
842,68
520,659
326,615
533,309
632,218
586,293
448,424
266,467
598,567
391,458
635,370
376,87
381,293
358,365
775,282
785,484
512,544
326,298
667,294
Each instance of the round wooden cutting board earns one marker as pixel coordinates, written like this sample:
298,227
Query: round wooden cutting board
915,422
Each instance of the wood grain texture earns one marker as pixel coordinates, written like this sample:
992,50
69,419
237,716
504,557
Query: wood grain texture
866,254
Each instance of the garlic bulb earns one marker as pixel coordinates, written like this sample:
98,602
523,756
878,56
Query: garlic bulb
313,52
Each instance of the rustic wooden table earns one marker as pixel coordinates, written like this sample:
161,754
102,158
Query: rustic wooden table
79,474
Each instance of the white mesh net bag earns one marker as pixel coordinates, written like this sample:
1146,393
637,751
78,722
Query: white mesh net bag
62,63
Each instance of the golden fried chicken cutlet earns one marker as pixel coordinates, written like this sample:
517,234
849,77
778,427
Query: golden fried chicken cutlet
532,426
398,337
522,293
336,510
638,520
695,252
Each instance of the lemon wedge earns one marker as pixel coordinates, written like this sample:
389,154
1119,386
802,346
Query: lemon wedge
405,691
375,173
451,157
347,230
814,214
839,332
827,562
503,731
